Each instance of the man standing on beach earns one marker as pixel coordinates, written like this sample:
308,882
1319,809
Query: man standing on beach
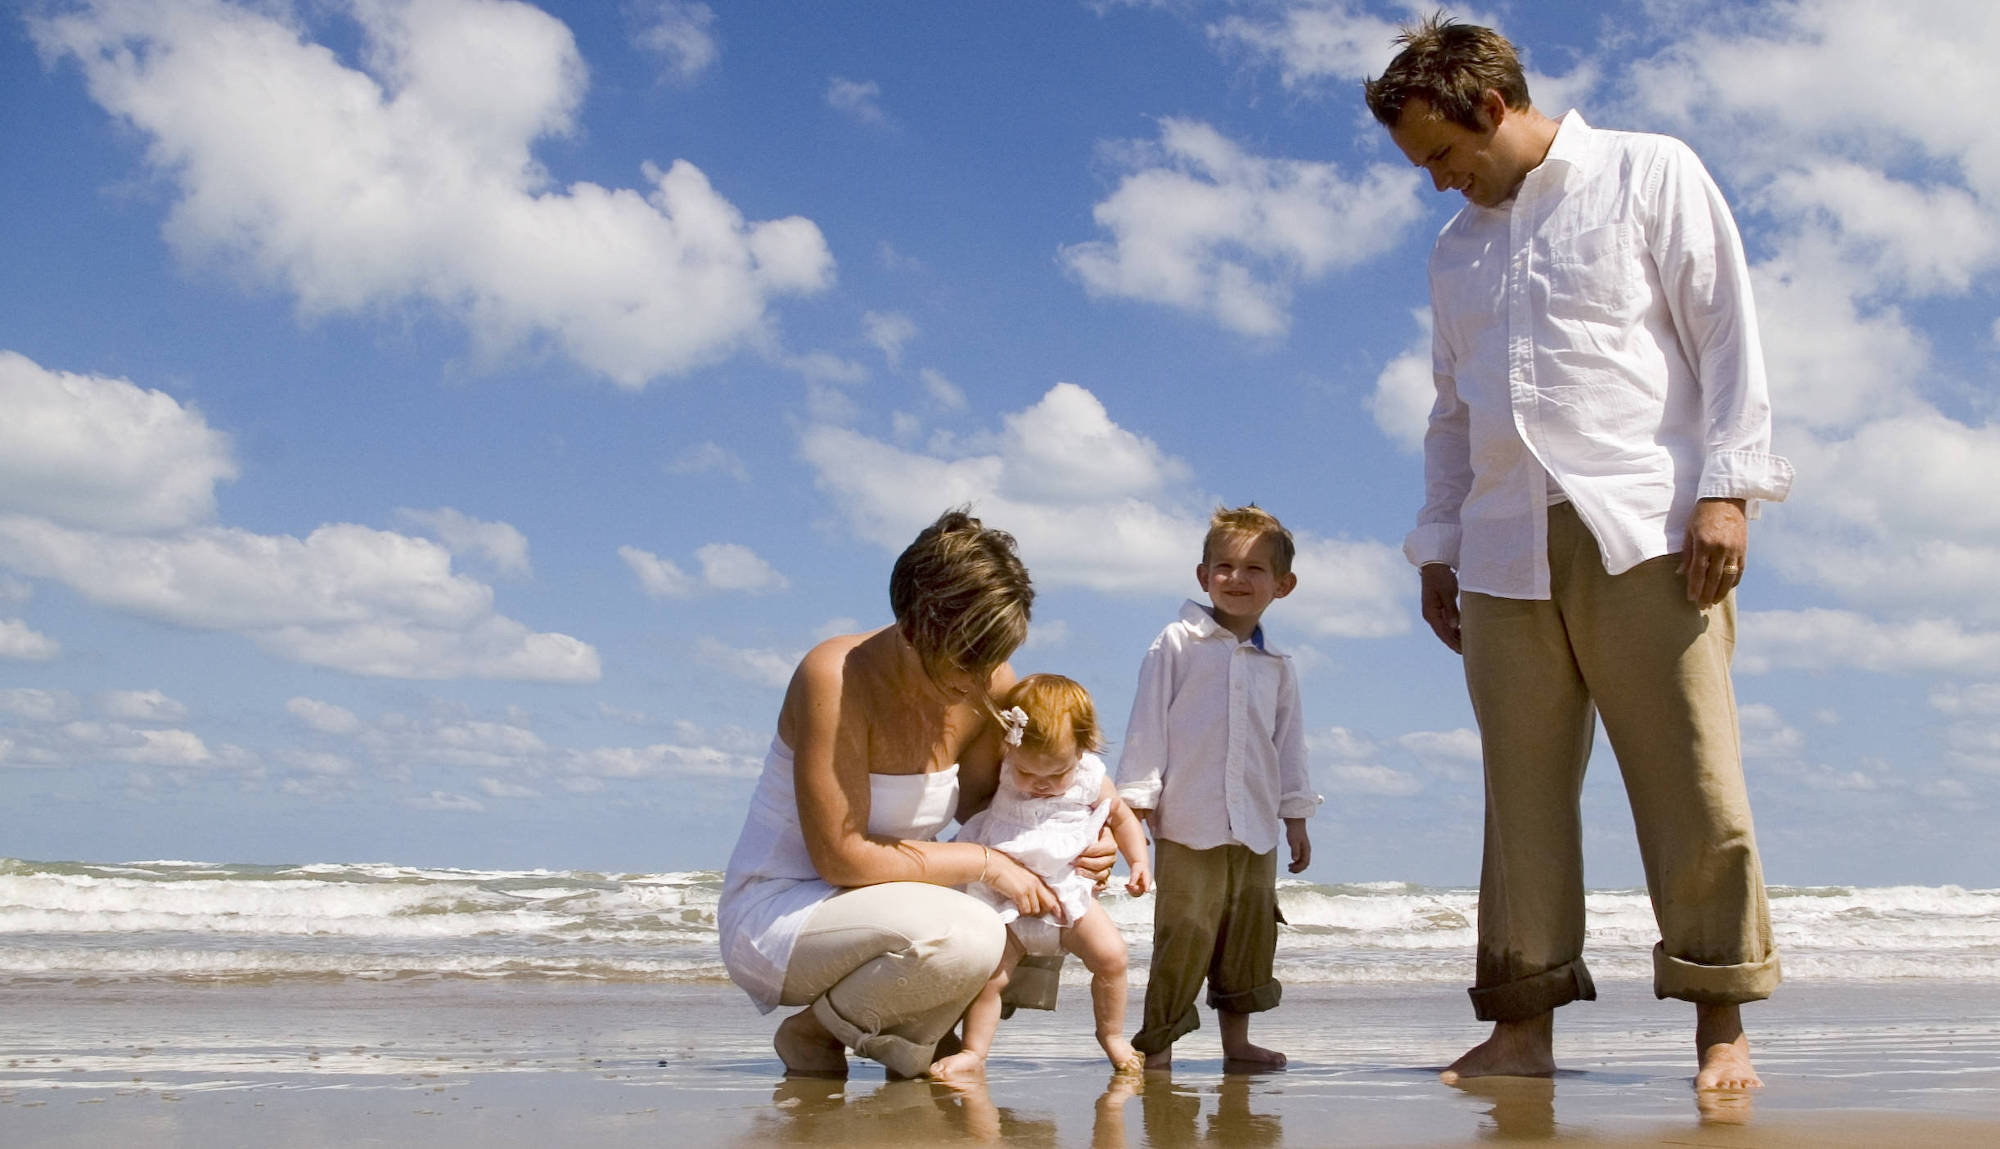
1600,437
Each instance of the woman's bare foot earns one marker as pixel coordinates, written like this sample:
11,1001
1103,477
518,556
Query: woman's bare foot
1124,1059
1164,1059
1516,1049
1723,1050
807,1049
964,1065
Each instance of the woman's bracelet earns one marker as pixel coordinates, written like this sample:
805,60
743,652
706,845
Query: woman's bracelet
985,860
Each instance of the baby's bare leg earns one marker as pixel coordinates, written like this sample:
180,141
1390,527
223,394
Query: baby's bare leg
1095,939
982,1020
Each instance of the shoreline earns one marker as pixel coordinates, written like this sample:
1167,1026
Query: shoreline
497,1064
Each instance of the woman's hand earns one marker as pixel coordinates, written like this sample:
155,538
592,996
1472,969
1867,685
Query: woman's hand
1096,860
1020,885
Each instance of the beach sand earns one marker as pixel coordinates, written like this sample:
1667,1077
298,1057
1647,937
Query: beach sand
497,1064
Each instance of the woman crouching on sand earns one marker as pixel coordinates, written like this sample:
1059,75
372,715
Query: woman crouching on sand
837,896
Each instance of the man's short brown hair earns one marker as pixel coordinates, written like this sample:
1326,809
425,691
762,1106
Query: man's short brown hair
1449,66
1257,524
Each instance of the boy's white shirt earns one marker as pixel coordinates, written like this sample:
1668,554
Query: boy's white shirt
1216,745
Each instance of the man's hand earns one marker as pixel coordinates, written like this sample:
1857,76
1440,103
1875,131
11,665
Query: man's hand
1440,603
1095,861
1301,845
1712,553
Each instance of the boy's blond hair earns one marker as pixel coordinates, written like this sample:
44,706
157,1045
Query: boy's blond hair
1061,717
1256,523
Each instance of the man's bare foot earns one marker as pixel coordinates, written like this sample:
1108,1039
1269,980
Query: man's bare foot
964,1065
1124,1059
1516,1049
807,1049
1723,1050
1164,1059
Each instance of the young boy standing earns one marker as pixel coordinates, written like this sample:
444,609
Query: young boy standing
1215,762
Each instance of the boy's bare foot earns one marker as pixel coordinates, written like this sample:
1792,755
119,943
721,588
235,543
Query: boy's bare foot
1164,1059
1246,1055
807,1049
1516,1049
1235,1032
964,1065
1124,1059
1723,1050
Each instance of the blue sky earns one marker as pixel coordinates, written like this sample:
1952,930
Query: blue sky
433,428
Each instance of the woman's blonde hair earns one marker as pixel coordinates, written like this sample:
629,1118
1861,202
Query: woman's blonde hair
961,595
1061,717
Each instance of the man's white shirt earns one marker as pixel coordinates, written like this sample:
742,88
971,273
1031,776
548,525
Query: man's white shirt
1598,330
1216,746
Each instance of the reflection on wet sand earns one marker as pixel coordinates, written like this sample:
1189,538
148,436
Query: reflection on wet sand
822,1112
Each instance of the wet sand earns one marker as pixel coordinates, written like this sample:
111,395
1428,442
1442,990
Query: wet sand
499,1064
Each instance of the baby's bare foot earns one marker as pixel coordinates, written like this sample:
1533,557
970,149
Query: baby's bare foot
1247,1055
807,1049
1726,1065
1124,1059
964,1065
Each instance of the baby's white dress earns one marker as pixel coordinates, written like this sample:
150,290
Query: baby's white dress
1045,835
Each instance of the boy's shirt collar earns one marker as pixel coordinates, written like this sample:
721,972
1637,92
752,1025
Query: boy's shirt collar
1203,621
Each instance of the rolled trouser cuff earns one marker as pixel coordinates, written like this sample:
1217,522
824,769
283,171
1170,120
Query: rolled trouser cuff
1033,984
1713,984
899,1055
1151,1041
1535,994
1255,1000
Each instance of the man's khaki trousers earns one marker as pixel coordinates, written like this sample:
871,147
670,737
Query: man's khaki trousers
1634,650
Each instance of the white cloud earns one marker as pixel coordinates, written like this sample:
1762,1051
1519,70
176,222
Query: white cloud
772,668
1447,750
889,331
1046,634
1312,42
20,642
658,577
732,566
660,760
497,788
1765,733
1406,390
1199,224
479,743
498,543
415,181
448,803
38,705
141,706
95,452
1820,639
859,99
348,597
1361,778
724,567
705,457
680,33
324,717
1091,505
1982,698
942,391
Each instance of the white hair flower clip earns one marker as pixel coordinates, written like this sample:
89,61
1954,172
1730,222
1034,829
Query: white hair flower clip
1013,724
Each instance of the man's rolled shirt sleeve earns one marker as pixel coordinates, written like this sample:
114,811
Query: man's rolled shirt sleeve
1706,278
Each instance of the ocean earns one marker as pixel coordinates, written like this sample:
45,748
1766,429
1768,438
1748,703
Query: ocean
204,922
